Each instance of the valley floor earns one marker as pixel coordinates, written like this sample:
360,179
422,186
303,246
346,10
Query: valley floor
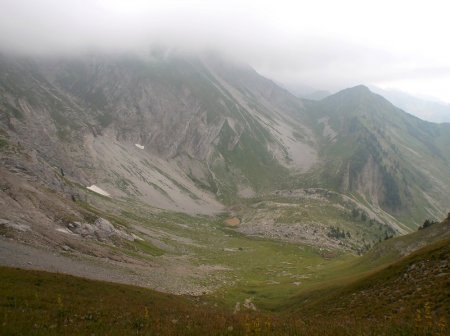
41,303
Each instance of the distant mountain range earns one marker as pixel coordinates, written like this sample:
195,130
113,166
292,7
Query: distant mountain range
425,109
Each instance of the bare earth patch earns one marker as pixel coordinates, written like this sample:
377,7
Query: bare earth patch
234,221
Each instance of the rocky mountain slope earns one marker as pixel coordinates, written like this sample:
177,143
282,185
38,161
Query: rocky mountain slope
382,155
199,134
173,132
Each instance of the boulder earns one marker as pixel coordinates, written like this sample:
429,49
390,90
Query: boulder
102,230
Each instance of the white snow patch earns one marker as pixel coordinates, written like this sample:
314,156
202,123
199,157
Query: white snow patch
139,146
98,190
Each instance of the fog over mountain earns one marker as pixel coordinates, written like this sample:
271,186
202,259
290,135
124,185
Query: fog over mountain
322,44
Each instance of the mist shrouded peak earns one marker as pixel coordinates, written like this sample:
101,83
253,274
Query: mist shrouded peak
359,89
355,92
290,42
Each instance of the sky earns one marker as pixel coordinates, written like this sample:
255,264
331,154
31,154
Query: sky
326,45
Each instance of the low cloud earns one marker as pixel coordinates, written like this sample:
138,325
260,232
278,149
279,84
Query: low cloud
326,44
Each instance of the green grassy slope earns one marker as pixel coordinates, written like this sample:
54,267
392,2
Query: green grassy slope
413,290
390,250
406,298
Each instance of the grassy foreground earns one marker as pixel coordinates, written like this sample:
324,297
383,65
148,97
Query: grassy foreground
41,303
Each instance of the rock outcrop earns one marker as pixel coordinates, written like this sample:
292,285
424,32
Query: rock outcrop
101,229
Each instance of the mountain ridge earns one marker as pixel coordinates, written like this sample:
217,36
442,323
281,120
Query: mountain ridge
214,129
370,133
